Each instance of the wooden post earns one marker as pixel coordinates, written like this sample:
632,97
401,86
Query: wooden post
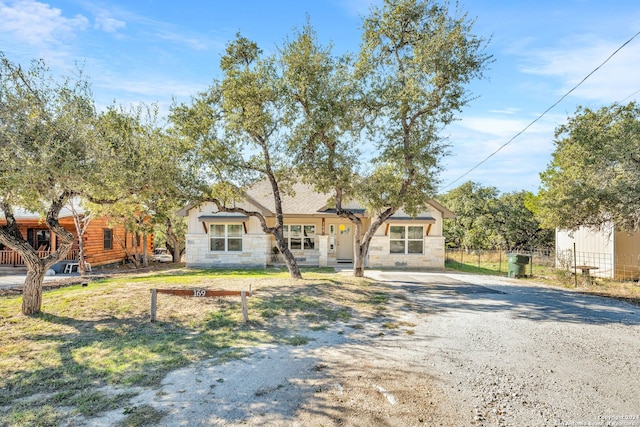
154,298
200,293
245,314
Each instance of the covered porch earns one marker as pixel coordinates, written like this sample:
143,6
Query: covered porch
11,258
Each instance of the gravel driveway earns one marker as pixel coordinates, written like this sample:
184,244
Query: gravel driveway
506,353
450,350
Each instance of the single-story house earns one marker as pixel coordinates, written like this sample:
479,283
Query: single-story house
615,254
313,231
103,243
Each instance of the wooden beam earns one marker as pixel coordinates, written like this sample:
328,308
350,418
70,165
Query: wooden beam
428,229
200,293
204,225
386,230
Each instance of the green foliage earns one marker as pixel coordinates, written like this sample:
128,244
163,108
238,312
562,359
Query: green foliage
487,220
593,178
415,61
47,132
475,208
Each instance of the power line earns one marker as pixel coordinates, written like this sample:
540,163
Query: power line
620,102
543,113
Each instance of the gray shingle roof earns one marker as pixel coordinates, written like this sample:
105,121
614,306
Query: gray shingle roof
303,201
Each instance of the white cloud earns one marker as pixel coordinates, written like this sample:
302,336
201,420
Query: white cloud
192,42
105,22
505,128
361,7
573,60
38,24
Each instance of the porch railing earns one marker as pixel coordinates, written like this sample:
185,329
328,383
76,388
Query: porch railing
13,258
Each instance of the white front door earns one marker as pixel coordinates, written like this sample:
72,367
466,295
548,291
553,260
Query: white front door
344,242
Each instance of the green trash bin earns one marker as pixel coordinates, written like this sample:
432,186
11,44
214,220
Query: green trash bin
517,265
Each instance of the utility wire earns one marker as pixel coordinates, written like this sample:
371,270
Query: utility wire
620,102
543,113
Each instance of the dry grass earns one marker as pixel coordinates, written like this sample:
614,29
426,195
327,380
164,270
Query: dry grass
80,357
624,290
488,265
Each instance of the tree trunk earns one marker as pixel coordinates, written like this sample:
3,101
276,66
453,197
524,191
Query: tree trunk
288,257
145,250
361,249
172,241
32,291
136,258
11,236
81,222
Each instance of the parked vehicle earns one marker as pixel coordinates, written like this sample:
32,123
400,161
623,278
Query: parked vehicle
161,255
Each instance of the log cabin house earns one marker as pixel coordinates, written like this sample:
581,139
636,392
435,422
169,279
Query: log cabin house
104,243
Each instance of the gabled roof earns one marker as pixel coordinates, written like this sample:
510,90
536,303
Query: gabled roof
305,201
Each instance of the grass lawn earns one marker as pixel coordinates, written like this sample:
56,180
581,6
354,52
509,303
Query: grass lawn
625,290
91,346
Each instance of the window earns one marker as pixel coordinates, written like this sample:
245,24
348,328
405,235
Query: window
226,237
300,236
332,238
107,237
406,239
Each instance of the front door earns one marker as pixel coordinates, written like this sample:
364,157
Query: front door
344,250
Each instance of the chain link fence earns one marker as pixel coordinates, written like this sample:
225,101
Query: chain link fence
619,267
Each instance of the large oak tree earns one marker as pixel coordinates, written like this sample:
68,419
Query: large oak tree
239,132
55,147
373,126
593,179
45,127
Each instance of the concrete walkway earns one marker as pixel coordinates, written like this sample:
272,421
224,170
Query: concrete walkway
15,281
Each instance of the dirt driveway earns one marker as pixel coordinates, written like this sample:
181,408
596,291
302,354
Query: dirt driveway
452,350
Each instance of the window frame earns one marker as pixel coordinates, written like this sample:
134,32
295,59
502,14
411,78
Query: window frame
406,239
233,233
107,242
302,241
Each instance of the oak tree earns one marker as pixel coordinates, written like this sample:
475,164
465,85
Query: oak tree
593,178
45,129
374,125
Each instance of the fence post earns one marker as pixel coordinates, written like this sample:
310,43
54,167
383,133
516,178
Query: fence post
243,295
531,263
154,298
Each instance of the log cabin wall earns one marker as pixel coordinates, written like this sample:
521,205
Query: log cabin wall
94,239
97,251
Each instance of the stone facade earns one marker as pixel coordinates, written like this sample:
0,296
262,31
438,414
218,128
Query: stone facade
310,214
255,251
432,258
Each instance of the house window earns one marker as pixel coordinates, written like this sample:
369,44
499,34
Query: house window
300,236
226,237
406,239
332,238
107,237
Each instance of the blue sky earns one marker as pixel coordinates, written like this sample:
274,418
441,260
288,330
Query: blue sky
152,51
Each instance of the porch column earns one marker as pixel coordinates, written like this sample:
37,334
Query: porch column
323,247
